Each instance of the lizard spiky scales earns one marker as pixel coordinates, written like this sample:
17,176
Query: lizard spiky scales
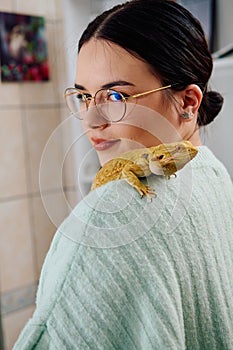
164,159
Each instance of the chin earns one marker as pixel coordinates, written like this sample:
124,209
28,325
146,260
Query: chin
117,149
104,158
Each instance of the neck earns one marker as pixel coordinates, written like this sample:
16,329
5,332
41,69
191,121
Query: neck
195,138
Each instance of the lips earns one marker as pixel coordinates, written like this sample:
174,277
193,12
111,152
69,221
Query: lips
102,144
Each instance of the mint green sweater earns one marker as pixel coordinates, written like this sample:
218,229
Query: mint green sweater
126,273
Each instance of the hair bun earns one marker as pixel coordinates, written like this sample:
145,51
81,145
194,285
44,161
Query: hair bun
210,107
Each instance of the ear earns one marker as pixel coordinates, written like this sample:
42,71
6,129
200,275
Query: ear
191,99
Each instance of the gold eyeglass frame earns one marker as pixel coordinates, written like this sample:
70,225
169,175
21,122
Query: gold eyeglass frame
88,99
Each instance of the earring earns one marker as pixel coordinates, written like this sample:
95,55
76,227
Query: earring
186,115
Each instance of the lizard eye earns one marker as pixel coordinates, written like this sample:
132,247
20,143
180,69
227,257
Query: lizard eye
180,148
160,157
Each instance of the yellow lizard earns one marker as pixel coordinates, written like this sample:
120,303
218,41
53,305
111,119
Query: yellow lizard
164,159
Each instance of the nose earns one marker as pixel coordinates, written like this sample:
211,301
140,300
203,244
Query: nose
88,100
93,119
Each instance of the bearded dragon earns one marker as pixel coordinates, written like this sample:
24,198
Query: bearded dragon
164,159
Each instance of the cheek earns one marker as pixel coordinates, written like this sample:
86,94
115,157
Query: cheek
169,112
174,118
125,131
133,133
84,129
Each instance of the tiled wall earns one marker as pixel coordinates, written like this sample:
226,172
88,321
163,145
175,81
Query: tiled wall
29,113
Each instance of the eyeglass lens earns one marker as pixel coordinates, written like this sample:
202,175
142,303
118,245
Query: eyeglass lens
109,103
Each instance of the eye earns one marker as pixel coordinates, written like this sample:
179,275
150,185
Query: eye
180,148
160,157
82,97
114,96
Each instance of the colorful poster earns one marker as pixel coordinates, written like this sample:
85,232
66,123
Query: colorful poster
23,48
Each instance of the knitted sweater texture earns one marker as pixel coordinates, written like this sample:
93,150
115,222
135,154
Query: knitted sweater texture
124,273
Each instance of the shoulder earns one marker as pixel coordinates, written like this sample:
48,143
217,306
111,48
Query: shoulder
106,214
108,217
104,234
113,276
208,162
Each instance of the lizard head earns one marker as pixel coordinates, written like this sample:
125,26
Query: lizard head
166,159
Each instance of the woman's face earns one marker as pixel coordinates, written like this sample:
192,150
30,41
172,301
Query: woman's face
149,120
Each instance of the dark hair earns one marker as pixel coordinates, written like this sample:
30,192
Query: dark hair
168,38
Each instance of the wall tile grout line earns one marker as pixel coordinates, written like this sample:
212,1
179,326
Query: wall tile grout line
28,187
34,106
1,330
38,194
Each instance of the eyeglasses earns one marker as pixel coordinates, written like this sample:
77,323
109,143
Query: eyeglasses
110,104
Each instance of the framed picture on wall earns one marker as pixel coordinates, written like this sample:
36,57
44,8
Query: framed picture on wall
23,48
204,10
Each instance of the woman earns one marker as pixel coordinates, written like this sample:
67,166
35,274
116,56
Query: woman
124,273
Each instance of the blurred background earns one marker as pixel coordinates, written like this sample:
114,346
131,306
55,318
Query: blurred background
46,162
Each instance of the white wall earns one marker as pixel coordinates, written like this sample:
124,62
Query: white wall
224,12
77,14
218,135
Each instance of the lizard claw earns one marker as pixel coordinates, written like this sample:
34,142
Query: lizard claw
169,176
147,191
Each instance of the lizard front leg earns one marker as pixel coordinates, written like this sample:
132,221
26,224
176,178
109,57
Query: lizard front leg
130,173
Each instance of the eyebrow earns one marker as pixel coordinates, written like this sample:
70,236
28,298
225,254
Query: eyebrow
108,85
